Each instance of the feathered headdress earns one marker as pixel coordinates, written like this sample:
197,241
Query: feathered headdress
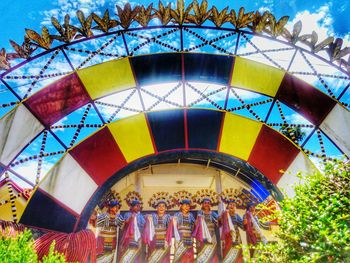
111,198
231,195
206,195
133,198
241,197
116,200
184,197
161,197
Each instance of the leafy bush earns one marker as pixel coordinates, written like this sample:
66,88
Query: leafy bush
315,224
53,256
17,248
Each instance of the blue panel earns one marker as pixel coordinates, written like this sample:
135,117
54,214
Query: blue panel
259,190
208,68
167,129
2,168
203,128
44,212
158,68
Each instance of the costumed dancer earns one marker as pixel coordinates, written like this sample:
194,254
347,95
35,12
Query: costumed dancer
231,222
107,230
131,249
158,230
183,225
205,227
252,227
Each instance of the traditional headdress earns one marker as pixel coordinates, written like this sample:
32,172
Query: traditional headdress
116,200
161,197
248,198
230,195
110,199
184,197
241,197
205,195
133,198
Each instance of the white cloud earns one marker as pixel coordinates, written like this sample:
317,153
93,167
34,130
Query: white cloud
28,170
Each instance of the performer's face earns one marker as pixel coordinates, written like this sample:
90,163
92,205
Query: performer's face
161,208
185,208
252,209
206,206
136,208
114,209
231,207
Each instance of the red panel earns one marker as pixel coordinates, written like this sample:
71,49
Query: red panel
99,155
271,153
305,99
58,99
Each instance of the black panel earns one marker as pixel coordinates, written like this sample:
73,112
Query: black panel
208,68
44,212
158,68
168,129
203,128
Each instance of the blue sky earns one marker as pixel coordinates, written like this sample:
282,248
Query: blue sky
19,14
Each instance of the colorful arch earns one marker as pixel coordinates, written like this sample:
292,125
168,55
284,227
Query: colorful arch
130,142
71,92
218,133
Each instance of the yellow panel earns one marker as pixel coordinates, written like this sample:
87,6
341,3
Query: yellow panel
133,137
238,136
6,210
256,76
108,77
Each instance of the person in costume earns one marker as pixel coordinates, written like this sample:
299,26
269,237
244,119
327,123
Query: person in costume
205,227
183,225
158,230
253,226
107,230
231,222
131,249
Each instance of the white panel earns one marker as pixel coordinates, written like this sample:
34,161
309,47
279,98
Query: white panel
69,183
300,164
337,127
17,129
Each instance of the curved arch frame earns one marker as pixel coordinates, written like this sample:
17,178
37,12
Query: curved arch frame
131,143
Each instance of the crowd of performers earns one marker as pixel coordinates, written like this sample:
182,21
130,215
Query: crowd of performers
160,237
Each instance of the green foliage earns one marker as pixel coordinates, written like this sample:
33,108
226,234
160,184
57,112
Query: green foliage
315,223
53,256
17,248
293,133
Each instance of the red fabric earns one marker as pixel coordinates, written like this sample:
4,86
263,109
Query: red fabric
152,244
225,226
76,247
101,243
128,232
147,232
58,99
99,155
170,231
198,231
251,237
272,154
188,256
